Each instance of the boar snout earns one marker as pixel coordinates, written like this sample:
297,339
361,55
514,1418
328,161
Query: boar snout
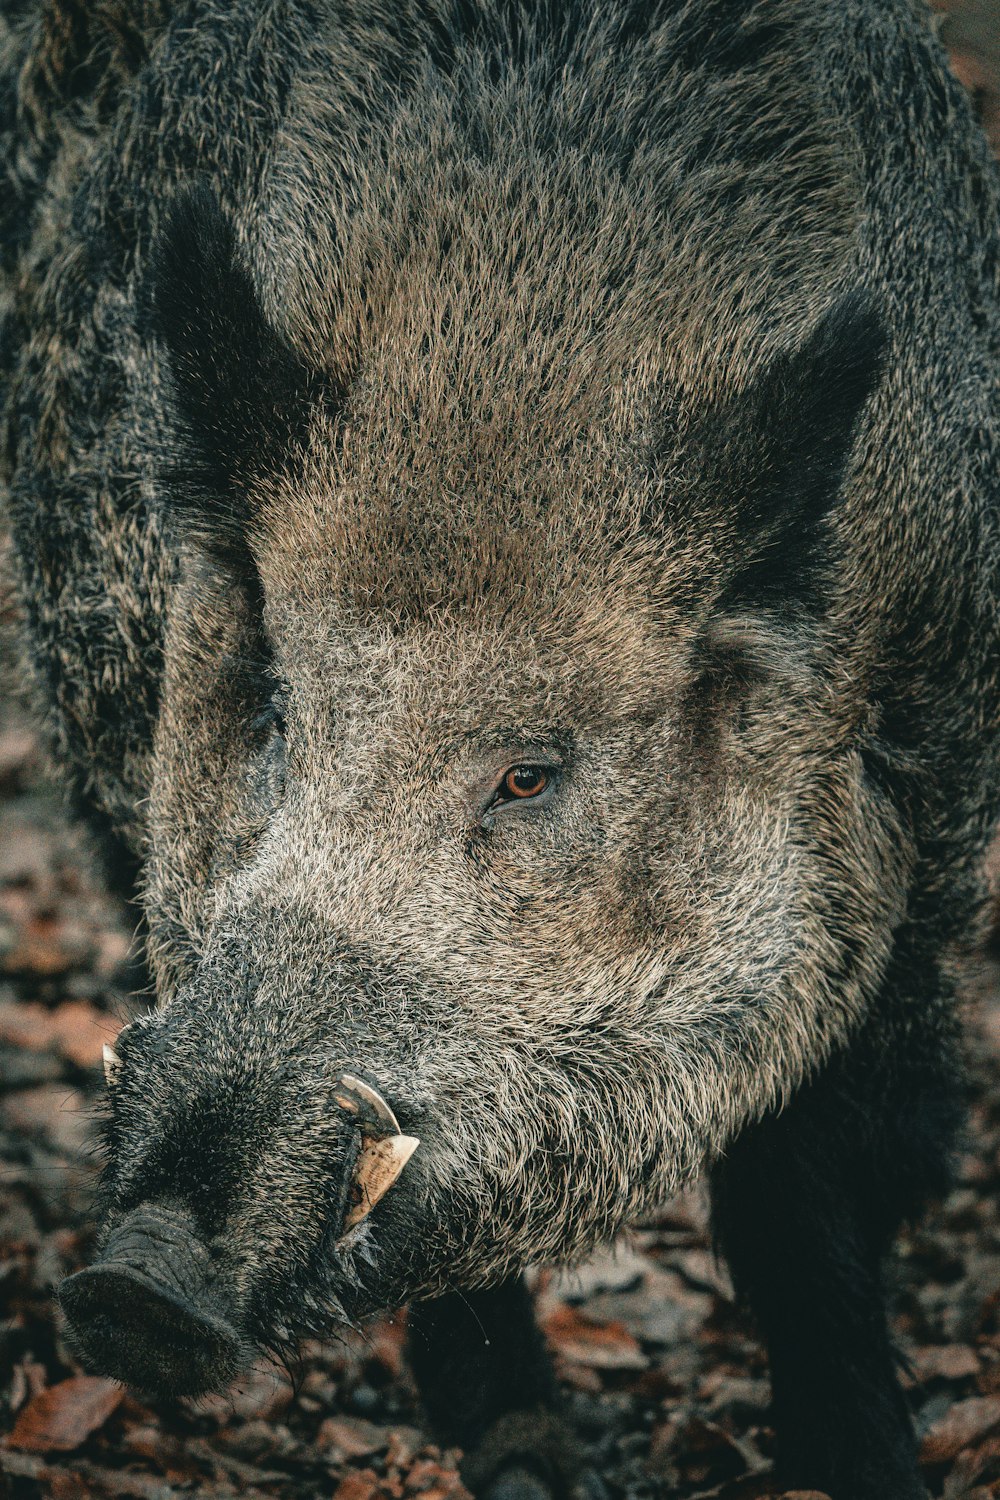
148,1313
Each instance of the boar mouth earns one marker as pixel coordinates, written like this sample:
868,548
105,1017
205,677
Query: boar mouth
158,1311
147,1312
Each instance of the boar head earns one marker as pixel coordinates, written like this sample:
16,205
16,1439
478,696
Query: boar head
504,767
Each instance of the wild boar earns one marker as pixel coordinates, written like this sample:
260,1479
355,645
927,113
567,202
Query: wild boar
505,508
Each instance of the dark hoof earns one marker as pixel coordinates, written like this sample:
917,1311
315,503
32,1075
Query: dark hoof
516,1484
530,1455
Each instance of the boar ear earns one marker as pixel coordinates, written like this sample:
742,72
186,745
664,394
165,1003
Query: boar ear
797,422
244,398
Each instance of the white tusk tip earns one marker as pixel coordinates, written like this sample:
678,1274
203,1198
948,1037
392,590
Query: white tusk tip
112,1062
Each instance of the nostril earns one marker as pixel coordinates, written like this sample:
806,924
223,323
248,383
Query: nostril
145,1312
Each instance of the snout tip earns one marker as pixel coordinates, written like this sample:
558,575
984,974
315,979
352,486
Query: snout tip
133,1328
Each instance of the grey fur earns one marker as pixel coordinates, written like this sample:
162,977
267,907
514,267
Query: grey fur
545,297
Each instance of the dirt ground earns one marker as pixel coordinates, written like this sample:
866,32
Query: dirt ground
663,1375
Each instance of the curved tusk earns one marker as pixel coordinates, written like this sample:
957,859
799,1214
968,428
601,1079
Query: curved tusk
378,1166
112,1063
353,1093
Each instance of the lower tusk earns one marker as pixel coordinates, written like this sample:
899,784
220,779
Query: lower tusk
378,1166
112,1063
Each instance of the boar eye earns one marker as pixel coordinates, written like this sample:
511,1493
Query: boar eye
521,783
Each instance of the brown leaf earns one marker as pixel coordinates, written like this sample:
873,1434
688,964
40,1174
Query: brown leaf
64,1416
454,1491
945,1362
52,1110
610,1347
68,1486
404,1445
967,1423
384,1342
81,1030
75,1029
343,1438
28,1379
25,1024
357,1484
433,1481
42,945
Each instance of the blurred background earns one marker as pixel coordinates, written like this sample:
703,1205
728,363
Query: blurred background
970,29
663,1376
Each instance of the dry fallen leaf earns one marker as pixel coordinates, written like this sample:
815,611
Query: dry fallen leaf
342,1438
358,1484
75,1029
609,1347
65,1415
432,1481
945,1362
53,1111
963,1425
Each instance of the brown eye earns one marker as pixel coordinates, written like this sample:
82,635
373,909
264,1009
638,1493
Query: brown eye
525,781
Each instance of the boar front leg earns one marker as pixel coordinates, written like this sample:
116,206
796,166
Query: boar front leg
488,1387
806,1204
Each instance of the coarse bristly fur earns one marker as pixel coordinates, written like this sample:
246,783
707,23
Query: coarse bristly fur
396,394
